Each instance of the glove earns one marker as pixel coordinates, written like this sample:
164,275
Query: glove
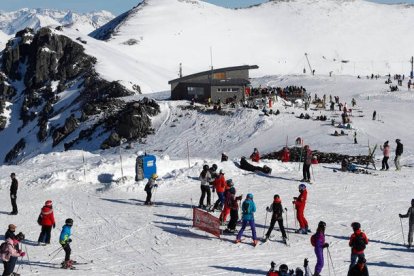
54,225
22,254
268,209
400,215
69,240
295,198
305,262
326,245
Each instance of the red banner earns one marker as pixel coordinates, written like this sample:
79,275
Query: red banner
206,222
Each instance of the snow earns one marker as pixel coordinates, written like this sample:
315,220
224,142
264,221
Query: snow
113,228
342,37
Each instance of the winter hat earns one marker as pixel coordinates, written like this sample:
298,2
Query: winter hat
249,196
229,182
69,221
283,268
356,226
13,174
221,172
397,140
12,227
321,225
48,203
20,236
214,167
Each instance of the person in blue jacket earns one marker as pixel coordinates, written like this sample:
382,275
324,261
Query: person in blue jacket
248,208
65,241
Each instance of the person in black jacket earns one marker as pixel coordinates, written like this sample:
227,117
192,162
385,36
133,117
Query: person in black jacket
13,193
360,269
398,153
10,232
277,215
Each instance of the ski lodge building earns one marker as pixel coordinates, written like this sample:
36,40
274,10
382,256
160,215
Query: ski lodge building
223,83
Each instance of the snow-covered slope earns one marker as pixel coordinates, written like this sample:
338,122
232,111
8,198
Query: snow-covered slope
12,22
345,37
121,236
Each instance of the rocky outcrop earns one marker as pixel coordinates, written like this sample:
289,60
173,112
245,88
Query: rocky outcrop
15,151
61,133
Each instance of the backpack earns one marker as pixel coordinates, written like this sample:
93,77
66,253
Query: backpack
313,240
4,251
359,243
246,207
39,219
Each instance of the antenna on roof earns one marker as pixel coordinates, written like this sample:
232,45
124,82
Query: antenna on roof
211,57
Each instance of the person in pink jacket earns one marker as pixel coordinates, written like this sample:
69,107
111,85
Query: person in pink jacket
386,151
10,252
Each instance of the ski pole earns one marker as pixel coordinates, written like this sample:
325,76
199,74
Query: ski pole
155,191
28,258
59,248
402,231
330,258
296,224
56,254
329,267
313,175
264,228
287,223
20,264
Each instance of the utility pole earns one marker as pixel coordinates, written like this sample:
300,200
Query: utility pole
310,67
180,71
412,67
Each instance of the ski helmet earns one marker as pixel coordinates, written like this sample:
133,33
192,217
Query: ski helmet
69,221
283,268
214,167
48,203
302,187
230,182
298,271
205,167
322,224
12,174
221,172
276,196
154,176
250,196
356,226
20,236
232,190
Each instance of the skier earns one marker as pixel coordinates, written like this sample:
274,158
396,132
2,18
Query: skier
277,215
47,221
300,203
205,179
358,242
227,195
360,269
307,161
318,241
410,215
355,138
248,208
10,252
386,151
65,241
374,115
233,203
398,153
255,156
220,186
285,155
13,193
151,184
224,157
272,271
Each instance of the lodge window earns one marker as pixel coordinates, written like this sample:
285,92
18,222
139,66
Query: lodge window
231,89
195,90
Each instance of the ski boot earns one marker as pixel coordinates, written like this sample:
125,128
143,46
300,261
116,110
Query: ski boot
67,264
237,241
255,242
266,238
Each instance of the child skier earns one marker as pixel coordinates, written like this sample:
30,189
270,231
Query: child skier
47,221
386,151
255,156
358,242
248,208
318,241
410,215
300,203
234,210
10,252
277,215
65,241
151,184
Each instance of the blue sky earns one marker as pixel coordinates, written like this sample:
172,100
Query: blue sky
119,6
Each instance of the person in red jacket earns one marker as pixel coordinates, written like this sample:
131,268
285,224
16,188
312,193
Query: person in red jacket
47,221
220,187
300,203
255,156
285,155
357,242
227,201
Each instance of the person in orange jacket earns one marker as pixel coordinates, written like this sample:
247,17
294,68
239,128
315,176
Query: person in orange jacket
300,203
220,187
227,201
255,156
47,221
357,242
